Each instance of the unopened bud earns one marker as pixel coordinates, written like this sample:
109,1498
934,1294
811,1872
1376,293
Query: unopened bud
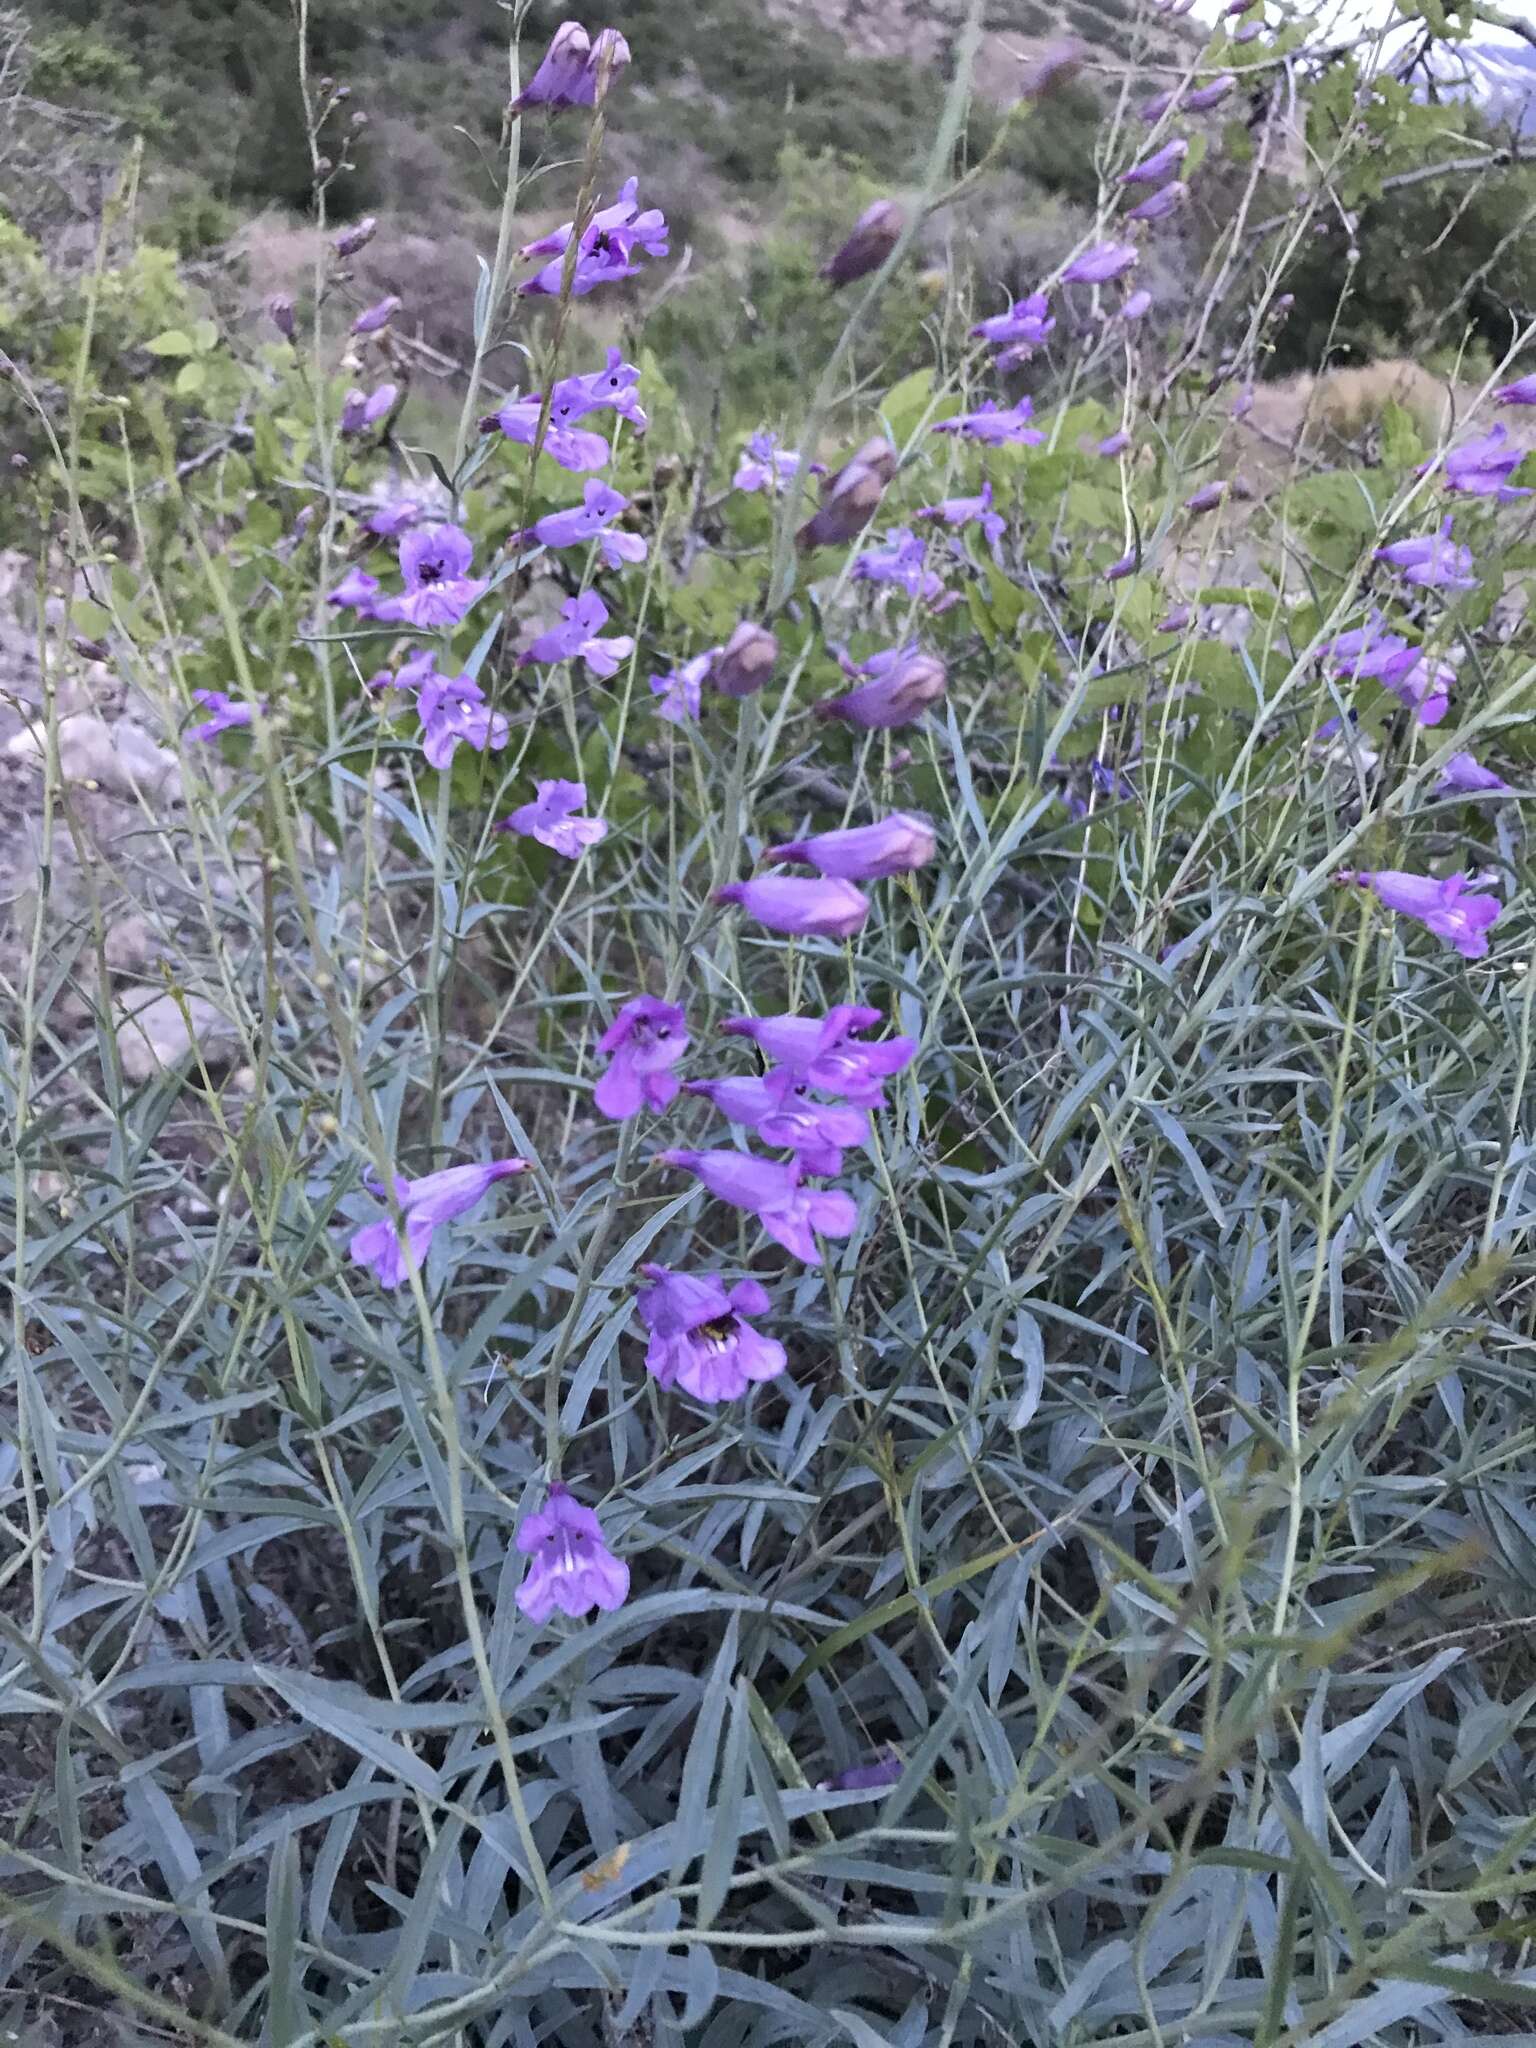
89,650
876,232
745,662
20,462
280,313
350,240
1054,67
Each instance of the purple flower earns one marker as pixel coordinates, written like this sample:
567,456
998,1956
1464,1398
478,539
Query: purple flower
1137,306
280,312
1155,108
571,1567
574,448
1433,560
1465,775
1370,650
570,68
1208,496
576,638
993,425
1127,565
779,1108
700,1338
1113,444
588,521
875,234
1242,405
1175,620
901,562
745,662
433,561
644,1043
1053,66
765,466
1105,260
615,388
357,591
453,713
351,239
827,909
1161,204
1248,33
790,1212
1481,469
435,1198
1425,688
1443,907
864,853
228,716
393,518
903,683
1207,96
1027,324
1521,392
886,1770
376,316
606,251
679,692
961,511
1161,164
365,408
829,1053
849,498
551,820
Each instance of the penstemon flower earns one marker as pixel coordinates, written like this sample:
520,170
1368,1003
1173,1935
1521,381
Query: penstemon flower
434,1199
551,819
902,683
643,1044
864,853
570,1566
576,638
830,1053
778,1107
791,1213
1452,908
784,903
700,1339
228,715
875,234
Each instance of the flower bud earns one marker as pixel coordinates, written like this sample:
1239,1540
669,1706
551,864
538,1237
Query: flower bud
350,240
280,313
902,683
850,497
1057,65
745,662
876,232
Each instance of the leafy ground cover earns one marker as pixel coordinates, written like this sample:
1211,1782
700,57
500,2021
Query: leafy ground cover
768,1254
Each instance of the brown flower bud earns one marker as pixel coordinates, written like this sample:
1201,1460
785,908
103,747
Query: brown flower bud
849,498
876,232
745,662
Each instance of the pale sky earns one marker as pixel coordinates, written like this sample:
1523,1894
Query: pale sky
1345,17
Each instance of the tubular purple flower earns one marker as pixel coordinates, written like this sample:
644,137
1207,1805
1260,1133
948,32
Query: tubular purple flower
1242,405
356,237
1465,775
1206,498
1113,444
1425,688
433,561
993,425
679,692
1481,469
645,1041
453,713
228,716
1161,204
785,903
875,234
1175,620
765,466
606,251
1447,908
1207,96
897,845
426,1203
394,517
615,388
366,408
570,1566
790,1212
551,819
376,316
1101,263
1137,306
850,497
583,618
574,448
357,591
1127,565
1248,33
1521,392
903,683
600,505
561,72
1433,561
829,1053
700,1338
1154,109
1027,324
778,1107
1162,163
745,662
886,1770
280,313
962,511
902,562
